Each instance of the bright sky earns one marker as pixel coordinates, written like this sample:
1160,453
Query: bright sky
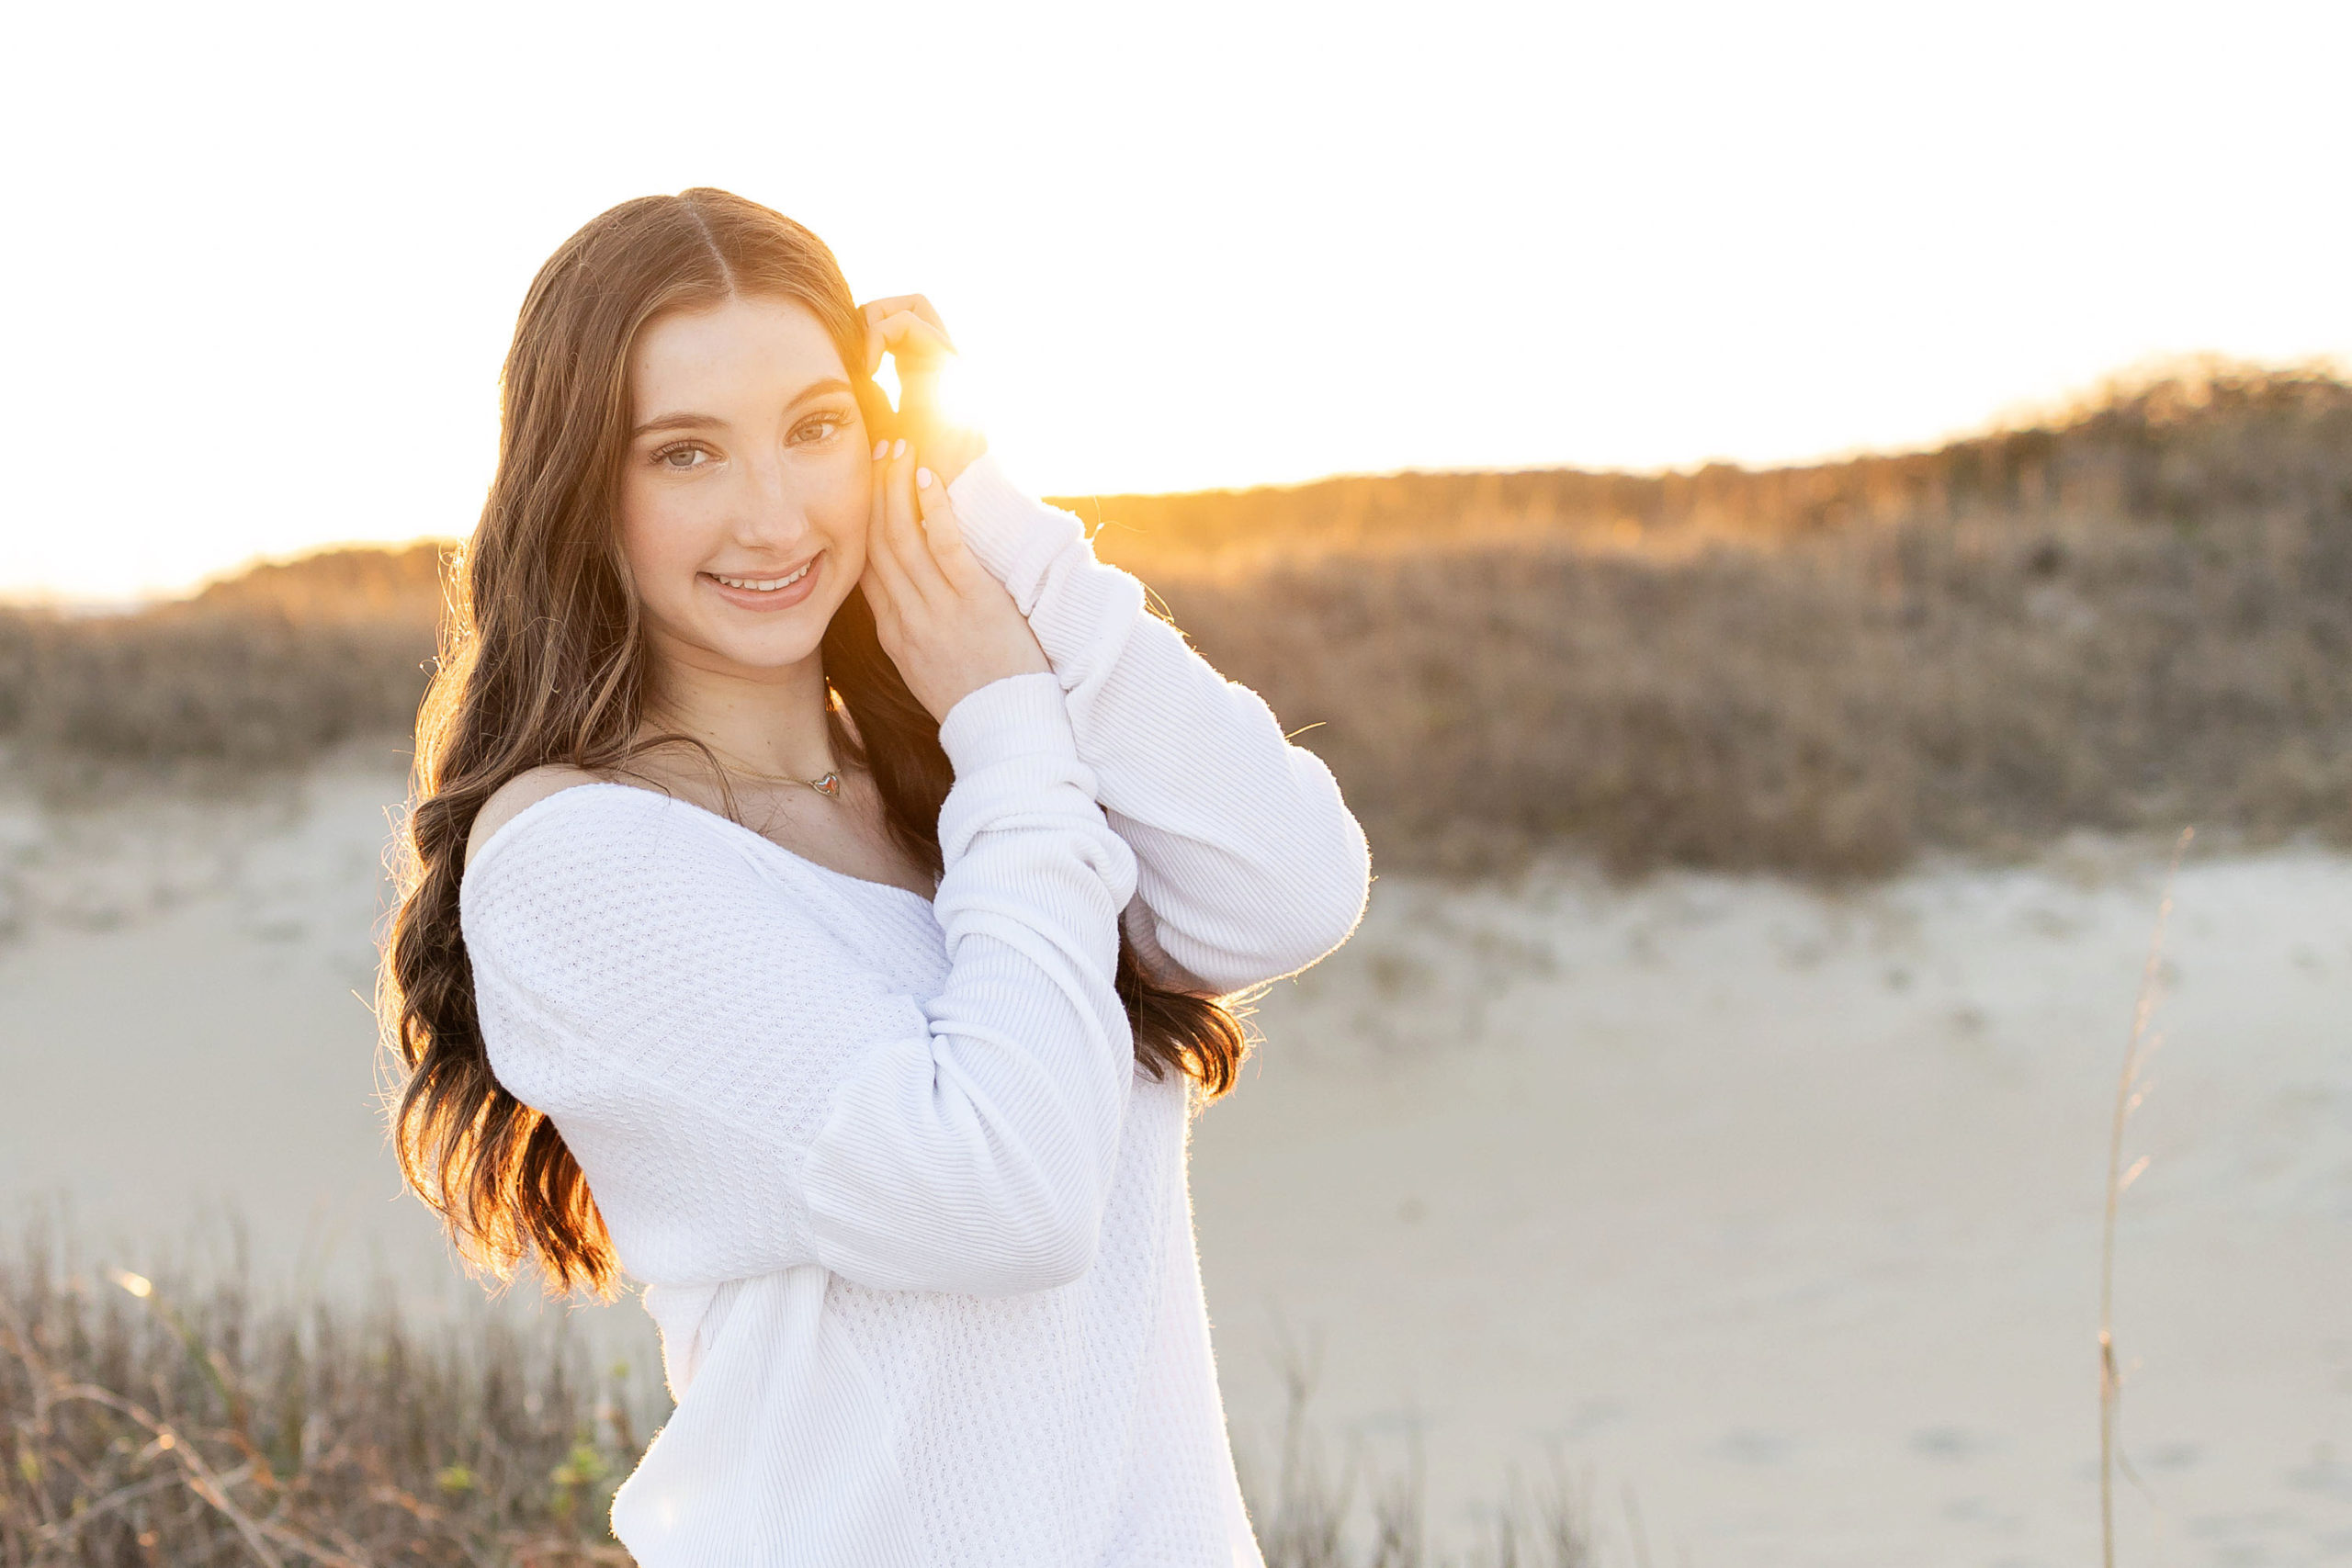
264,262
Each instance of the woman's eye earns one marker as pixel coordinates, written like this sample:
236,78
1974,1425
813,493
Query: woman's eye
680,457
822,426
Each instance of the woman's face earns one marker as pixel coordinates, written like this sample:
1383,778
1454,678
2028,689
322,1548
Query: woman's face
744,494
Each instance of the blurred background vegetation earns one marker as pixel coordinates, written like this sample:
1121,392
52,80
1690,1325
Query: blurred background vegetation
2133,614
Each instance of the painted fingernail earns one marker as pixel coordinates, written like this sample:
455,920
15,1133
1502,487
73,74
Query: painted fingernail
901,449
922,479
881,450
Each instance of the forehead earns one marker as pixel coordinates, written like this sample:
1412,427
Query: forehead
742,352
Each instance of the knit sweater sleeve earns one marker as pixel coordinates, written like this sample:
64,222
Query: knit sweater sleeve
746,1091
1249,865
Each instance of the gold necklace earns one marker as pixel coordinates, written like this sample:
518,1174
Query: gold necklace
828,784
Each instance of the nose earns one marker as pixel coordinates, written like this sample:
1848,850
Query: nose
771,513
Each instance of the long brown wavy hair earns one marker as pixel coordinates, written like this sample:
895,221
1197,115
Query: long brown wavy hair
543,660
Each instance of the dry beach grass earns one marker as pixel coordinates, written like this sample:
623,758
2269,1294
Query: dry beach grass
268,670
179,1420
184,1420
2140,617
2137,615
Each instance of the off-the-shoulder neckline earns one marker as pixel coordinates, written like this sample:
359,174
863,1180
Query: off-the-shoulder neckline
726,824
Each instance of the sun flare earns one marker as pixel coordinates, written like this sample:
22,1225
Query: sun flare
961,401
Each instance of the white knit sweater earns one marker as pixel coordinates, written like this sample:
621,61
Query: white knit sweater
914,1226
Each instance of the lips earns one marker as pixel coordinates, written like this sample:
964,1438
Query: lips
775,591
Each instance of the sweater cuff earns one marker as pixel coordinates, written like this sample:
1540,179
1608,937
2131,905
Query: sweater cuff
1010,532
1019,715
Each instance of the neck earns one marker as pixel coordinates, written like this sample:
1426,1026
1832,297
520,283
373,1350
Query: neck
772,721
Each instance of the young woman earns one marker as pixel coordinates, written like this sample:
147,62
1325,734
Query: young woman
825,874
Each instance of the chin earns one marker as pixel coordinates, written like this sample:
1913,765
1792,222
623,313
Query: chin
780,650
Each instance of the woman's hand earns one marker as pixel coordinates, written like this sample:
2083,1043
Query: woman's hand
949,626
907,328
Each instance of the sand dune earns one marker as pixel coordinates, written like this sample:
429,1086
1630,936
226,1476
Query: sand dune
1776,1209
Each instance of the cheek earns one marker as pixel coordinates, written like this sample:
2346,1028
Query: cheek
661,536
849,491
840,501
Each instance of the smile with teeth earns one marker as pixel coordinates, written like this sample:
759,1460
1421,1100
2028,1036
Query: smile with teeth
764,584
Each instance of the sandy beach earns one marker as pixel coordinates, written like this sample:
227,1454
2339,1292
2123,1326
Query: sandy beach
1771,1216
1782,1211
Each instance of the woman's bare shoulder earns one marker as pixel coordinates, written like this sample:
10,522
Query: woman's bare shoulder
517,795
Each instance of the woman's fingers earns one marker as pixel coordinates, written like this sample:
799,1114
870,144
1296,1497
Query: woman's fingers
918,343
884,580
923,356
905,327
892,304
878,311
944,532
920,349
949,628
916,566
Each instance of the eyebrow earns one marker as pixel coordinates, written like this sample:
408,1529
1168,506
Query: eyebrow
687,421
